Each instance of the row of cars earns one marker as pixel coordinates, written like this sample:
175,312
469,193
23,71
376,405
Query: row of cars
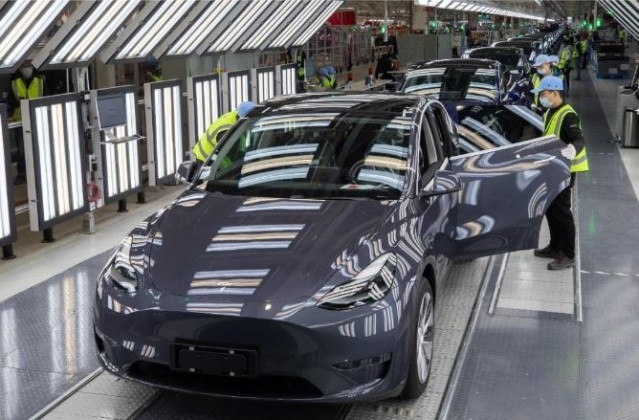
303,260
487,91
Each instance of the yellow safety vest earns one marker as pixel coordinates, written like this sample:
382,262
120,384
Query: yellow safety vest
536,81
329,81
154,77
622,35
22,91
580,162
564,58
213,134
299,59
584,46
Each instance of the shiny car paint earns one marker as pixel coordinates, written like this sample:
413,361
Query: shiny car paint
245,274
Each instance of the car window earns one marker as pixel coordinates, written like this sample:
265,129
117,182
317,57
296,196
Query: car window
315,155
431,154
454,83
446,131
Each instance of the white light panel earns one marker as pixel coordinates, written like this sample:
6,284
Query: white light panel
54,145
265,84
94,30
164,127
292,29
153,31
238,88
121,160
288,74
317,23
208,20
238,27
22,25
270,25
204,104
7,214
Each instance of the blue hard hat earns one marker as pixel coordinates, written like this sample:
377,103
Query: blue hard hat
549,83
330,69
553,58
323,71
244,108
541,60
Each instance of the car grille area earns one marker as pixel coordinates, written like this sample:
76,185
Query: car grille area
255,387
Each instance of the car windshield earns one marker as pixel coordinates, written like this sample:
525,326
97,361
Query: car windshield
313,155
511,60
454,83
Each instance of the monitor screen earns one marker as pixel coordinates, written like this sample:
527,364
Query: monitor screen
111,110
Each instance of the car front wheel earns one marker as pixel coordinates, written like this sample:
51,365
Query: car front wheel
422,344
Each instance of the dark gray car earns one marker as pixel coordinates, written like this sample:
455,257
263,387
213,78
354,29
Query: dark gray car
304,260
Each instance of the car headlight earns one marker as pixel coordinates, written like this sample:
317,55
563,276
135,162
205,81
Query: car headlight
120,273
369,285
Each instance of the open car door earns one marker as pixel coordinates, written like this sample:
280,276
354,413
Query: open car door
505,194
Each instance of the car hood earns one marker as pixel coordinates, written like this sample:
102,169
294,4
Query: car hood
231,248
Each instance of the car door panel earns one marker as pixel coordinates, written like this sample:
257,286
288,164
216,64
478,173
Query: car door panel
506,192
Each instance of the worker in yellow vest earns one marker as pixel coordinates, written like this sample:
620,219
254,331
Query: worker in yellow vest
562,121
542,67
25,84
153,71
622,35
209,139
565,63
327,77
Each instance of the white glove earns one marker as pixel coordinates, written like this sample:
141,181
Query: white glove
534,107
569,152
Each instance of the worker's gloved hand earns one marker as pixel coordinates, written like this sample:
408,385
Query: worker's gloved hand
569,152
535,108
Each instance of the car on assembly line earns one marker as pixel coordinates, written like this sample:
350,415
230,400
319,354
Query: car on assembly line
303,260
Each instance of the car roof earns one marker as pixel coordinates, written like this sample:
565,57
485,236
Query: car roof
374,102
515,50
466,62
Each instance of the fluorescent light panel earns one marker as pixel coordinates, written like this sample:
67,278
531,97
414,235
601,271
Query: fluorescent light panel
151,33
237,28
265,84
202,27
238,89
121,160
167,130
289,79
296,24
91,35
270,25
23,25
59,158
207,94
314,26
5,210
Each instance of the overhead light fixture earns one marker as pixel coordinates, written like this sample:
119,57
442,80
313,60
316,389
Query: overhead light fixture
55,157
22,25
239,28
315,24
265,83
291,30
88,29
151,25
7,214
203,93
163,129
116,142
284,11
287,79
238,88
194,30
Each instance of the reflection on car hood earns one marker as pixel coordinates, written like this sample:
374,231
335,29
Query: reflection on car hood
232,248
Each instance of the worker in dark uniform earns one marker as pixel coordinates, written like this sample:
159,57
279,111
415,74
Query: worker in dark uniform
562,120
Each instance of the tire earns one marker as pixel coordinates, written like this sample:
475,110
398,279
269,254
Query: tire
422,337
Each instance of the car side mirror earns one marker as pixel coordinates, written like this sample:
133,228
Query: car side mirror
444,182
186,171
